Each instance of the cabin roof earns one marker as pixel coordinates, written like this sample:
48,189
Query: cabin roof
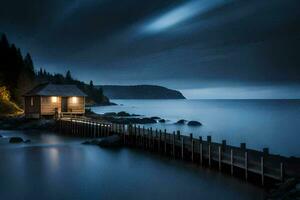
50,89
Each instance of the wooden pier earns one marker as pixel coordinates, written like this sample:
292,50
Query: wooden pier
246,162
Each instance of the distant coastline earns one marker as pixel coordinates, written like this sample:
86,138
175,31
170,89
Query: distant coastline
140,92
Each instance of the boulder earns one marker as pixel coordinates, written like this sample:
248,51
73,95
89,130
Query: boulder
194,123
181,122
147,121
162,120
16,140
110,141
155,118
110,114
123,114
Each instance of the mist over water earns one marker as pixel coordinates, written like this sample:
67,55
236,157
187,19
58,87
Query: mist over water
259,123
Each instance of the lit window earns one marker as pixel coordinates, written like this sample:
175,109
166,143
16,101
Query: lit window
54,99
74,99
31,101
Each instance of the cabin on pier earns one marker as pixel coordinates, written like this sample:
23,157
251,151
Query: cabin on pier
54,100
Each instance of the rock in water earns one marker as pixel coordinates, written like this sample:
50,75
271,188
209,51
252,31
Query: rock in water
181,122
155,118
110,141
16,140
123,114
194,123
162,120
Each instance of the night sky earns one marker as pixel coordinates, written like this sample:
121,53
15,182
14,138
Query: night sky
205,48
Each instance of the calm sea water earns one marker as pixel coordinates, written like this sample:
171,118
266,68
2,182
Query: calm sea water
56,167
259,123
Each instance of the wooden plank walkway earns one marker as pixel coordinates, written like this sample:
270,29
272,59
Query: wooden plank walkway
178,146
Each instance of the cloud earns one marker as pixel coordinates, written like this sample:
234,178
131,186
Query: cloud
181,14
170,41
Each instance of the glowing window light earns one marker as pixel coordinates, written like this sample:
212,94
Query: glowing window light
74,99
54,99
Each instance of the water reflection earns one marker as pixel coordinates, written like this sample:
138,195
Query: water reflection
69,170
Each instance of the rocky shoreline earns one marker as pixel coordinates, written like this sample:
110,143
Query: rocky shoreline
21,123
126,118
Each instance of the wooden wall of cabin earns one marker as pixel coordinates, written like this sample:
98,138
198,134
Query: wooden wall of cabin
76,105
48,105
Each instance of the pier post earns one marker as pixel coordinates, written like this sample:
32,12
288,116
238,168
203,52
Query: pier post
139,138
209,139
182,148
200,150
155,140
107,130
151,139
178,135
220,158
165,143
94,129
124,136
90,129
84,128
143,137
136,135
209,150
231,161
97,129
262,170
147,138
246,165
281,171
173,146
72,127
77,128
159,143
193,144
59,124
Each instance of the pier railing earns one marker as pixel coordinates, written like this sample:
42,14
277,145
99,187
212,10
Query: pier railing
204,152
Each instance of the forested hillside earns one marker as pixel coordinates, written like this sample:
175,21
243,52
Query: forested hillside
18,75
140,92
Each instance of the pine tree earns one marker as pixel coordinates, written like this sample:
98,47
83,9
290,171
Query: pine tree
29,65
68,76
91,84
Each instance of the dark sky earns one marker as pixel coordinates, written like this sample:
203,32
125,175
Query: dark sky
192,44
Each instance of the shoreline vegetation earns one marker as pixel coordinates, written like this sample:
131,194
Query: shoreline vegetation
140,92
